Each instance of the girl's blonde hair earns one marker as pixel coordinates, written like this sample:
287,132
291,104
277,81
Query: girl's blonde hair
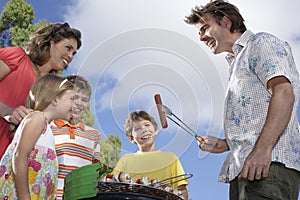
46,89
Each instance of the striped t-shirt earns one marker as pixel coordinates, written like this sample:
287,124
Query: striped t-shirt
76,146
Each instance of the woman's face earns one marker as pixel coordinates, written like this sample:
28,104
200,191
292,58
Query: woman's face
62,52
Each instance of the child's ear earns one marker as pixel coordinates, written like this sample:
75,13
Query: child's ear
54,102
130,138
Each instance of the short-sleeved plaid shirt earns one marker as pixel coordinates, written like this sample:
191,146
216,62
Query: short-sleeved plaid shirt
260,57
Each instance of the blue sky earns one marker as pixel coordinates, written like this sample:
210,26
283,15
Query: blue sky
134,49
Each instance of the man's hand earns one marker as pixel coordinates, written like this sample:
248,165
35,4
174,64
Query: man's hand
256,165
212,144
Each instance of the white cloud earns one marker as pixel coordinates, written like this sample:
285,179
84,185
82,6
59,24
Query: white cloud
198,99
104,22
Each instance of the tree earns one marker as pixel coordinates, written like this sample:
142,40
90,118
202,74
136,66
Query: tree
109,154
15,28
87,117
16,23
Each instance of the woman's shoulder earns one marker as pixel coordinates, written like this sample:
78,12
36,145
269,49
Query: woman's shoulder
14,57
9,50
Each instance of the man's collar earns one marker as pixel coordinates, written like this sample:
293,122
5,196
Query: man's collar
239,45
245,37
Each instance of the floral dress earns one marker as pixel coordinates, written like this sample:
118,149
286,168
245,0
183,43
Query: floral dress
42,168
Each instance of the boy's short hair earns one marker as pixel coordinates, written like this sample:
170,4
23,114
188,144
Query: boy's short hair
137,116
80,84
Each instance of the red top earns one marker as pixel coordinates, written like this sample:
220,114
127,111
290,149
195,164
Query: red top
14,88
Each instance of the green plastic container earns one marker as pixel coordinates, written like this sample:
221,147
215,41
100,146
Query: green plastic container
82,182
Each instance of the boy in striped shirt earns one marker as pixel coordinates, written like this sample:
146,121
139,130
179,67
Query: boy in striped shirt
76,144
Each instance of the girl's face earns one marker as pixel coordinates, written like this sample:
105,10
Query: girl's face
143,133
61,53
64,105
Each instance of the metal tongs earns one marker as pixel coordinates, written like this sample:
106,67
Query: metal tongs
179,122
168,181
164,112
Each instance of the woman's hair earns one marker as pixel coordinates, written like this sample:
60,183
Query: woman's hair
138,116
46,89
80,84
218,9
38,48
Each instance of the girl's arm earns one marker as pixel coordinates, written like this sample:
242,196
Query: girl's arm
32,128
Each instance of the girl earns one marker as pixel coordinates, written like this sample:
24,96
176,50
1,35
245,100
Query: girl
28,169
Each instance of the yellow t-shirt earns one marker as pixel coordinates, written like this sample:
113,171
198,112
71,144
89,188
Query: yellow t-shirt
155,165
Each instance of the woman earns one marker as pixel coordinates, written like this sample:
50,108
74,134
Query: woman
50,49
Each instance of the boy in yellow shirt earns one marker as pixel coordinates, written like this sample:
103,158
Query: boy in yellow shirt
141,129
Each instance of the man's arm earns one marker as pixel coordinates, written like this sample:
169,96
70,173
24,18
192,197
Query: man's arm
257,164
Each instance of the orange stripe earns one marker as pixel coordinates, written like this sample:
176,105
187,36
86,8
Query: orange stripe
92,134
78,147
78,155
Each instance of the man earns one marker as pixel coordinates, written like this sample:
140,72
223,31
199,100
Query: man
260,125
76,144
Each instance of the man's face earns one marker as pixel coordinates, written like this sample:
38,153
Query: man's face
214,35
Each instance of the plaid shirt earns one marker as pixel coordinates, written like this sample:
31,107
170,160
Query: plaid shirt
259,58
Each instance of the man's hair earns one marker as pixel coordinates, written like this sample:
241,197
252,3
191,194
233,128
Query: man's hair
218,9
138,116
